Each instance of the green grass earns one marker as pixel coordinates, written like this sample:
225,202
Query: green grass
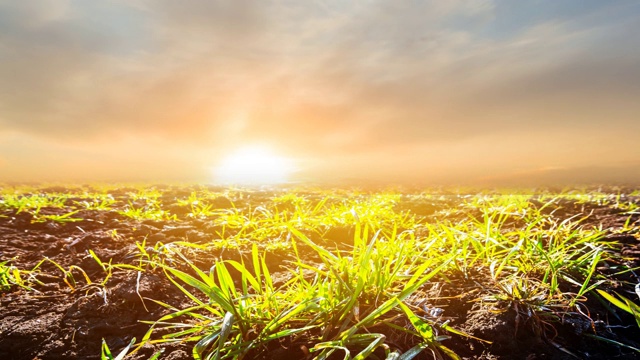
360,268
11,276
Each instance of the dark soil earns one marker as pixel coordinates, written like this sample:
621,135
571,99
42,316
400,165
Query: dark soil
58,320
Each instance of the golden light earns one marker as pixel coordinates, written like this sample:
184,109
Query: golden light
254,165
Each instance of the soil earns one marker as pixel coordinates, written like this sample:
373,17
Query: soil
63,320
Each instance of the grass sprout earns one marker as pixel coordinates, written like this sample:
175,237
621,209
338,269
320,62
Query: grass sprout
342,274
11,276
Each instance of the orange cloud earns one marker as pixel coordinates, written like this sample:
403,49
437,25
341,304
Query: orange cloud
442,90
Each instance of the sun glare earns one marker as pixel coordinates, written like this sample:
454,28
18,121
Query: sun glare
253,166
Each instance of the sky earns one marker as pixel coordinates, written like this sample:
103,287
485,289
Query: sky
433,92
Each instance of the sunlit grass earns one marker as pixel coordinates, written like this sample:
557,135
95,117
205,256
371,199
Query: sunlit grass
12,276
358,264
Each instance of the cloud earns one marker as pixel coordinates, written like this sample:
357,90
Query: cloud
201,62
318,78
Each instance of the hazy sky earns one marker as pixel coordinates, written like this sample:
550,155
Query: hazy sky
435,91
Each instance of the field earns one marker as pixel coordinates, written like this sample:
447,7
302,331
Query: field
184,272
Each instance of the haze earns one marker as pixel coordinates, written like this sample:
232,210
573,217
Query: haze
434,92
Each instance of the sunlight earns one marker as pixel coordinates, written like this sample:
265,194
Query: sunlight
253,166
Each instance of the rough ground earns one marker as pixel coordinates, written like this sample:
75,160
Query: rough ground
67,321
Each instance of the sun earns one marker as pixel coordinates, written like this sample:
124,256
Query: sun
254,165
